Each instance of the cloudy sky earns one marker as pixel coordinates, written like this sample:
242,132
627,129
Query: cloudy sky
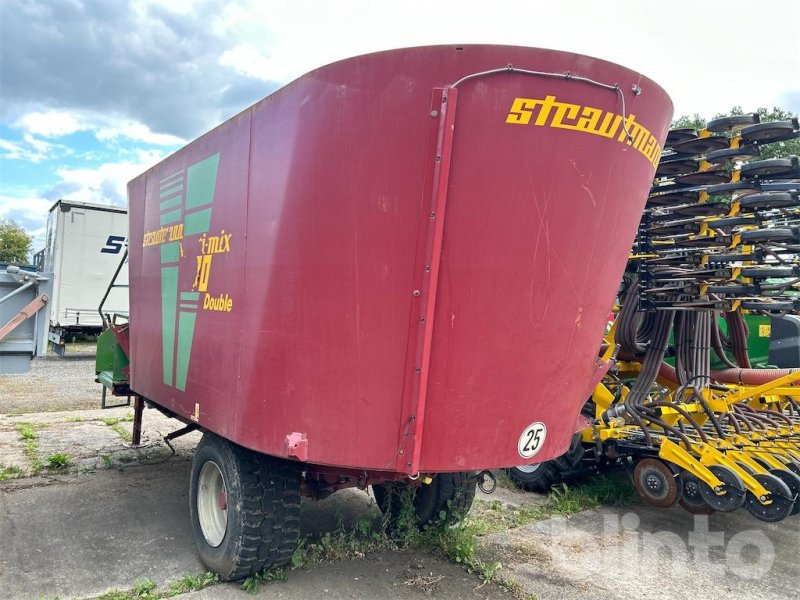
93,92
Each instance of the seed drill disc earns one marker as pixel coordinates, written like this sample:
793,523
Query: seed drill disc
781,505
702,145
692,501
734,489
656,483
792,481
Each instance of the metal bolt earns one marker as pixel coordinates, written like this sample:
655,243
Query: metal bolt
762,498
416,293
636,89
433,215
401,452
427,268
417,370
408,464
422,318
434,113
438,157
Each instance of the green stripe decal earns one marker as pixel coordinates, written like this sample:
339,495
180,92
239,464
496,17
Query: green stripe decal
173,190
170,253
190,296
169,302
171,217
172,176
201,180
193,306
185,335
172,202
196,222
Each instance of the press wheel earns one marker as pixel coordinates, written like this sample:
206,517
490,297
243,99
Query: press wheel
781,505
733,486
792,481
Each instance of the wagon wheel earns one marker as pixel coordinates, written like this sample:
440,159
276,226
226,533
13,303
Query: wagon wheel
447,498
734,489
782,502
692,501
245,508
535,478
656,483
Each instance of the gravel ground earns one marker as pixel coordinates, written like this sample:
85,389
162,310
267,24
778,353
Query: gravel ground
54,383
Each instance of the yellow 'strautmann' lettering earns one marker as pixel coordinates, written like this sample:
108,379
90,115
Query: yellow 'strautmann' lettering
563,115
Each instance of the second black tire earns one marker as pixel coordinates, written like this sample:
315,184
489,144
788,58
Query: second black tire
447,498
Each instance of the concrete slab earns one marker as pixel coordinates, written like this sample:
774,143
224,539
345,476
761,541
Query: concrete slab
619,554
85,535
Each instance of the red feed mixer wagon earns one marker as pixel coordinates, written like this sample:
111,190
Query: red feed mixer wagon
394,271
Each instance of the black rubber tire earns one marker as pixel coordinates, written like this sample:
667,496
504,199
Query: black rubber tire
540,481
263,515
447,498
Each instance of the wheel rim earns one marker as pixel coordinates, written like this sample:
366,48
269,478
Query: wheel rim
212,504
528,469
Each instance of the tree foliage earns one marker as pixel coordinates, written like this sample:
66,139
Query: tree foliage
766,115
15,243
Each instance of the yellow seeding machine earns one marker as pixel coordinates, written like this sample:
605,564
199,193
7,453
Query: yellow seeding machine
717,249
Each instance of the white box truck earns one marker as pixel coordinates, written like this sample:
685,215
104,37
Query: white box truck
84,245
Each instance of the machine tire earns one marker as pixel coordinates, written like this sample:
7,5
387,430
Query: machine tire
261,518
539,480
447,498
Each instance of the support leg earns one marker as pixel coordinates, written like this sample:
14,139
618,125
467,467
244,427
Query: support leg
138,409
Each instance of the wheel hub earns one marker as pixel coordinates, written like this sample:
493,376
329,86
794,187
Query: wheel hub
212,504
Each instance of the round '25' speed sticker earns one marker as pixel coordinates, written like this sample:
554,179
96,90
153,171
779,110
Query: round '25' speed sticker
532,439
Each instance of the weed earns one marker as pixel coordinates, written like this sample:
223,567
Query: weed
114,595
106,460
111,421
75,420
123,433
192,583
613,489
31,449
269,576
11,472
58,460
144,589
26,431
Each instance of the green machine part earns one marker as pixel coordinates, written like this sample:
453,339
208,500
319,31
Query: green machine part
110,361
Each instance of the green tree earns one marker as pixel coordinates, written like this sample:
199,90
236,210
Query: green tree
15,242
766,115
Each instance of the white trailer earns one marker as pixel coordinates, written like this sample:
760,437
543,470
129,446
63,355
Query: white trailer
84,245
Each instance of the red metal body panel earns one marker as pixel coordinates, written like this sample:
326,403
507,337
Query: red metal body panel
409,280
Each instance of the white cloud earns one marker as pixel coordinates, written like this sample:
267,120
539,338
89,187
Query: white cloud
30,149
105,127
50,123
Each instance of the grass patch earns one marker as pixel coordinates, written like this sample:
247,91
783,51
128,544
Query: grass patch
58,460
110,421
11,472
191,583
31,449
106,460
26,431
75,420
144,589
122,432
